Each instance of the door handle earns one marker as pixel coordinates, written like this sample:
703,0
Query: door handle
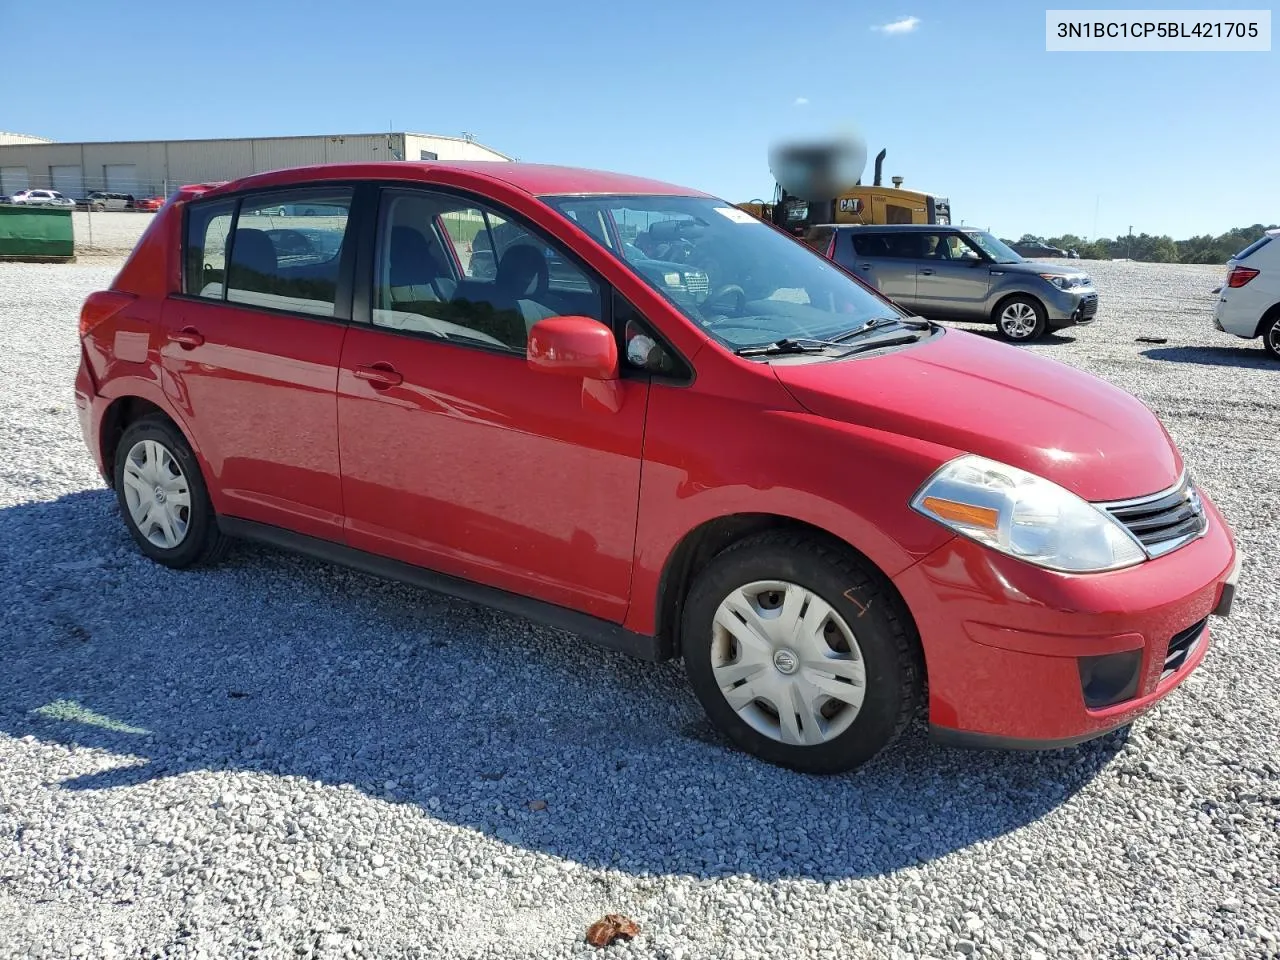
927,271
380,376
188,338
864,266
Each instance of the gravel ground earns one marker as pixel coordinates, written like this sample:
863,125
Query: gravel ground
112,231
278,758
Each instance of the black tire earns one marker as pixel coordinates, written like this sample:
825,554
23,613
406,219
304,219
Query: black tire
1270,333
884,632
203,542
1020,332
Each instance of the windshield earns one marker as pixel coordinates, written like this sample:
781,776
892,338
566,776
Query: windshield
993,247
738,278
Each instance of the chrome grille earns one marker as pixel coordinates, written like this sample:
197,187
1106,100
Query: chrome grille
1163,521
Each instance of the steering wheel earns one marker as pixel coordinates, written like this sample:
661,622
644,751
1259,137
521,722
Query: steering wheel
720,293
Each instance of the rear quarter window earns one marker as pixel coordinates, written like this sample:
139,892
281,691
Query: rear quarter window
208,227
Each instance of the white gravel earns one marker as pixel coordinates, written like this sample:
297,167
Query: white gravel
277,758
111,231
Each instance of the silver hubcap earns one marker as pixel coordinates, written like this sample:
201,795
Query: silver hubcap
1018,320
157,495
1273,338
787,663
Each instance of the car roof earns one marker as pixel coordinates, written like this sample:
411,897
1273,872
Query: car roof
900,227
536,179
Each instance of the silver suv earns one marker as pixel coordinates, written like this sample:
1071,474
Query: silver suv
959,273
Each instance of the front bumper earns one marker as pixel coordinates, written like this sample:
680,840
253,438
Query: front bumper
1009,647
1066,307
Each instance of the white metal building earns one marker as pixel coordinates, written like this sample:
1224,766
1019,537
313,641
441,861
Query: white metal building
156,167
7,138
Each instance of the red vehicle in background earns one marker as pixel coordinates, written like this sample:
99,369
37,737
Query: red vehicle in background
650,418
150,203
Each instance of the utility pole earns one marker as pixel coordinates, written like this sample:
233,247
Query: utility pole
1128,247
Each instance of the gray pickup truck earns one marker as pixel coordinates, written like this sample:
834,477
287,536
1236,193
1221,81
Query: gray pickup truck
961,273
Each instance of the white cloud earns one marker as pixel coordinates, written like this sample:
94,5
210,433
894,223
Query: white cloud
802,101
904,25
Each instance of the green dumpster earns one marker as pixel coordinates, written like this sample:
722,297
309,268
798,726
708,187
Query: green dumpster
42,234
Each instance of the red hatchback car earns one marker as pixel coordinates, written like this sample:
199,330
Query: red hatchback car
632,411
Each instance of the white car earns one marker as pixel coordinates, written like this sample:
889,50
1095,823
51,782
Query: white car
1249,302
42,198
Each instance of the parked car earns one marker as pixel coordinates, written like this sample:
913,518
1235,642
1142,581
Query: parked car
1036,248
102,200
961,273
41,198
1249,302
149,203
825,506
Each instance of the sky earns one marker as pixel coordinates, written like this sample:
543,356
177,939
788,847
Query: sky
964,96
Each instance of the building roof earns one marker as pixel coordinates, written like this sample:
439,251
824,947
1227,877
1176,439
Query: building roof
304,136
20,138
533,178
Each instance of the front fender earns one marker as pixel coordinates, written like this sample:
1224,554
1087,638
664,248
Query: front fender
849,481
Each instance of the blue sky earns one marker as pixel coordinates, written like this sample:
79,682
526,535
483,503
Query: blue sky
967,102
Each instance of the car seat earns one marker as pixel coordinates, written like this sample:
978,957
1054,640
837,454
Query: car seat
415,273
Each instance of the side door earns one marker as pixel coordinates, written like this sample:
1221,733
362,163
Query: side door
251,354
953,277
886,260
456,454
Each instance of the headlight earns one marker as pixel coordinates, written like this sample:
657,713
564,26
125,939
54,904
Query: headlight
672,279
1063,283
1026,517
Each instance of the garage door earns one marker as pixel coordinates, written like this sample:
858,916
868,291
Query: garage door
68,181
121,177
13,179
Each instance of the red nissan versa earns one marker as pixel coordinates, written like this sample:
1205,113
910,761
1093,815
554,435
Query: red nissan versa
631,411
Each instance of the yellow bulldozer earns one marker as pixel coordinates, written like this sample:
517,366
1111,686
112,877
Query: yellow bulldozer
874,204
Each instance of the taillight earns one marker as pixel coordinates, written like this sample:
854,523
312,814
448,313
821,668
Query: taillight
1239,276
831,247
100,307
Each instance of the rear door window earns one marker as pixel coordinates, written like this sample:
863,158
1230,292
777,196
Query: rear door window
283,256
280,251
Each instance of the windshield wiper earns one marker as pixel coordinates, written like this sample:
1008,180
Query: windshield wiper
789,345
875,323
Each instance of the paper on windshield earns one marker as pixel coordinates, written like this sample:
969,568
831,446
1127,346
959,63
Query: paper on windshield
736,215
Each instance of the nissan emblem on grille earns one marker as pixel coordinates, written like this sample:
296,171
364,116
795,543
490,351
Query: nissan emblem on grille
1165,521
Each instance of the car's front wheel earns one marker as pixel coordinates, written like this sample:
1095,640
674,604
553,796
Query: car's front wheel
163,497
799,654
1021,319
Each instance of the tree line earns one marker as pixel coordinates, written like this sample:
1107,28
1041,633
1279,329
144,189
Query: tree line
1164,249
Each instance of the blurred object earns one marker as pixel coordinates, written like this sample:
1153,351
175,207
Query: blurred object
818,170
819,181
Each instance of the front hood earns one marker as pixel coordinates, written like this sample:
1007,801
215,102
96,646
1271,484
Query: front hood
963,391
1038,267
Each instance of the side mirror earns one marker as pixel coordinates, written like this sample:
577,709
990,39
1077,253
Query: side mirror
574,347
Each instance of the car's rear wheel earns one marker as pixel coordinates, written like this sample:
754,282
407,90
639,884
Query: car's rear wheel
162,495
1271,335
799,654
1021,319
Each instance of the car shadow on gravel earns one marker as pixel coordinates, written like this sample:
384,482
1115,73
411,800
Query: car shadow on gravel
1054,338
275,665
1241,356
